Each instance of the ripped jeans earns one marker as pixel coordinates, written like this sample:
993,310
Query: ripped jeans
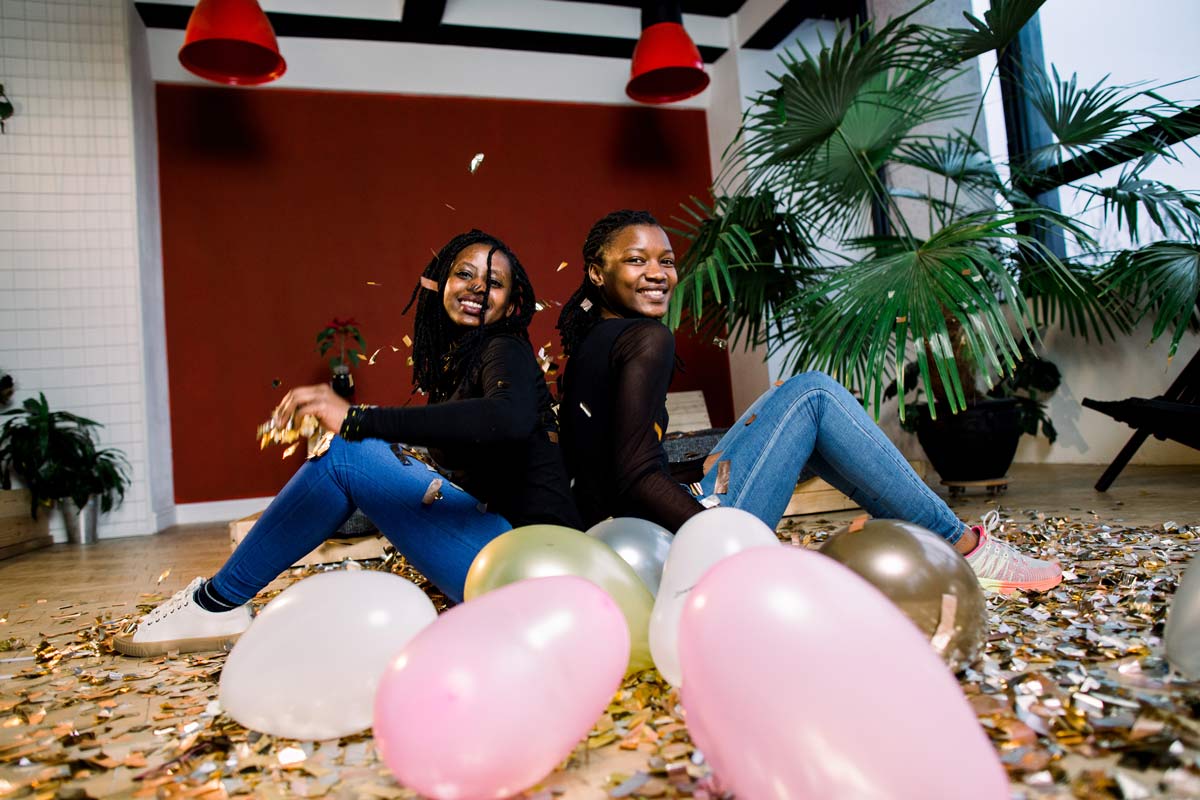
440,539
811,426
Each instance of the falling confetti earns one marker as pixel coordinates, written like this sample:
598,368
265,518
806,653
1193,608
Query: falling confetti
407,341
374,283
720,343
276,383
371,360
291,448
561,267
476,161
452,208
164,575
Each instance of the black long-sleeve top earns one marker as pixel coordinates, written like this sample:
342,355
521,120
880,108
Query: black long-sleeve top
497,434
613,416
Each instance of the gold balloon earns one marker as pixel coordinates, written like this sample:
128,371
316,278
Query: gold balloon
922,574
540,551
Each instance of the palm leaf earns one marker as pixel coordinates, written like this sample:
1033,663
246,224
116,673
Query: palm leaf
1174,212
958,158
875,308
1162,279
999,26
1085,118
744,257
837,112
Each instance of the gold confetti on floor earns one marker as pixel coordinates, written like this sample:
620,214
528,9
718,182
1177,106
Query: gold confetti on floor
1072,689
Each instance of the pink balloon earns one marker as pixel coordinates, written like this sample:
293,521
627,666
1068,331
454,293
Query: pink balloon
801,680
495,693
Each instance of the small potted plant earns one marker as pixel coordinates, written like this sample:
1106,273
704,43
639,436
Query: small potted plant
979,443
54,454
343,336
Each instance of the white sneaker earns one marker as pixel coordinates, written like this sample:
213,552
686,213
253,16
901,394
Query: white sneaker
181,625
1000,568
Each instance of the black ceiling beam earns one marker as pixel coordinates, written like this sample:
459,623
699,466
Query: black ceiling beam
306,26
703,8
423,13
781,24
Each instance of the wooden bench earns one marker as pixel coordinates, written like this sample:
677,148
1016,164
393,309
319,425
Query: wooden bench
328,552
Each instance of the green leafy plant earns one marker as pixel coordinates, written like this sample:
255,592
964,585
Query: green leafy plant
954,277
1029,384
54,454
337,334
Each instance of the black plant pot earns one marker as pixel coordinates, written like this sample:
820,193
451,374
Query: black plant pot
974,445
342,382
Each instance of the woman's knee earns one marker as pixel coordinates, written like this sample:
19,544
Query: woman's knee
810,381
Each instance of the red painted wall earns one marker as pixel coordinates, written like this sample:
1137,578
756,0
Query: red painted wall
278,207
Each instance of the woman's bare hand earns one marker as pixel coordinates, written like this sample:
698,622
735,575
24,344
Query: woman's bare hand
320,401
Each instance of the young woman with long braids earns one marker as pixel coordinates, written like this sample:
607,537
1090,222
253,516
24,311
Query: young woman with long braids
489,418
613,415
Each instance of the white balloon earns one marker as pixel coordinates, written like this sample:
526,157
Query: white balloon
1183,624
701,542
308,666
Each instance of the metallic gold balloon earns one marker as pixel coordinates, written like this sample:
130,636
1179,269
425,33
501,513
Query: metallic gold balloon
922,574
540,551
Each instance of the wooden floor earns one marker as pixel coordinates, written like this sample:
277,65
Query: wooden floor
52,593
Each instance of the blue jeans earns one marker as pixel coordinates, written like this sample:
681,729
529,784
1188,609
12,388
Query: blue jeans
810,425
440,539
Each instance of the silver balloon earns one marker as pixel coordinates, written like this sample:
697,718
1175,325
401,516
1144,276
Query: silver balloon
1183,624
643,545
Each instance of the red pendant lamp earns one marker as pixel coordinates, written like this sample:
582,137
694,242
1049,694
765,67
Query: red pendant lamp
231,42
666,66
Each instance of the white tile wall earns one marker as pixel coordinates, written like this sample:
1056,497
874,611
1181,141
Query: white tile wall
70,317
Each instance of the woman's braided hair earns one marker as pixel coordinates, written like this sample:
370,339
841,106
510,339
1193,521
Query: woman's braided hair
444,357
582,311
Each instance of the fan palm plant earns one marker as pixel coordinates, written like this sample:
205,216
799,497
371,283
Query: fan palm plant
955,275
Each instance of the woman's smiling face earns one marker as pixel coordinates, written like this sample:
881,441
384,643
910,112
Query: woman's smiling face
464,294
638,273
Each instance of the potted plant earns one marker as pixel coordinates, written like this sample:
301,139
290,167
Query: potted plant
848,238
54,454
342,335
979,443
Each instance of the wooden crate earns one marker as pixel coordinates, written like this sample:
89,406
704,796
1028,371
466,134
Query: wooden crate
688,412
20,533
815,496
329,552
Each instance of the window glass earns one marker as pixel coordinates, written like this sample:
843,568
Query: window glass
1151,43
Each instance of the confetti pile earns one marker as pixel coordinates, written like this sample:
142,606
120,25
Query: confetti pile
1072,689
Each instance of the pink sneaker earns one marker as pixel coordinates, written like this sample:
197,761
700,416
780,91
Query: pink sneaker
1000,568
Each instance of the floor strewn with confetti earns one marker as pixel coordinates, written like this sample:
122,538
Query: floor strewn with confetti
1072,688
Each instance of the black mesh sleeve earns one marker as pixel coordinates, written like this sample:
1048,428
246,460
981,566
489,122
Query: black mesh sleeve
643,360
507,411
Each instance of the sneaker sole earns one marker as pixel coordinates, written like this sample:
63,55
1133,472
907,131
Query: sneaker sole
126,646
1003,587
